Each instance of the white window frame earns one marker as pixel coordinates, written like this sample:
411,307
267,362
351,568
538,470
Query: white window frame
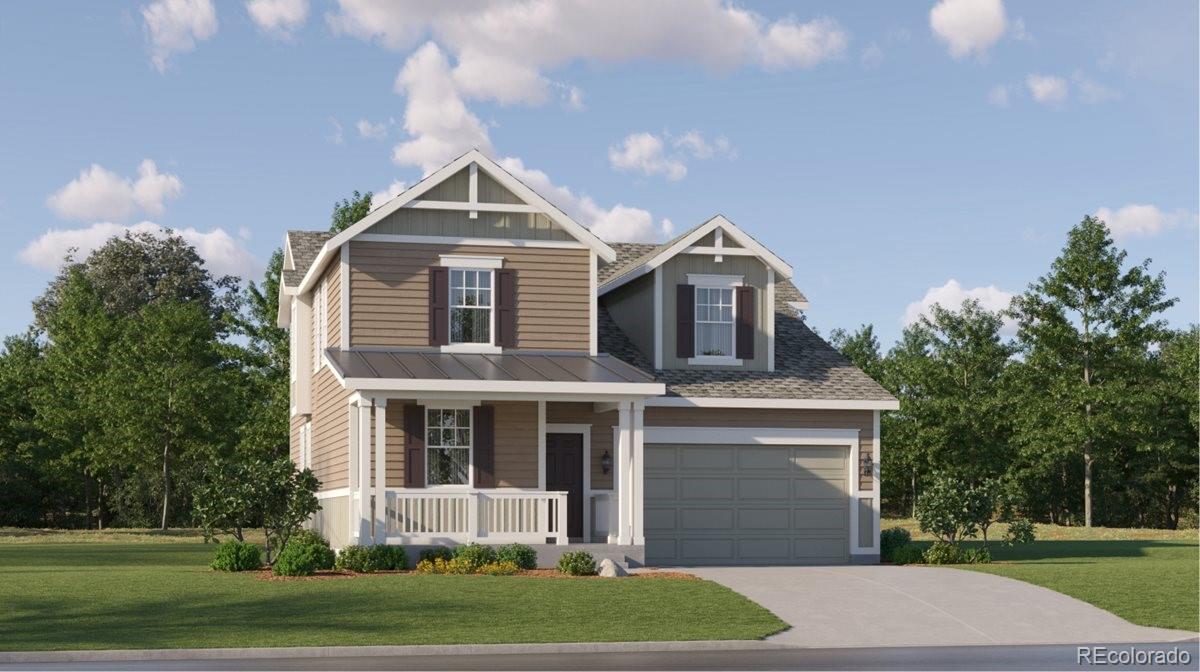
472,264
306,445
706,281
470,448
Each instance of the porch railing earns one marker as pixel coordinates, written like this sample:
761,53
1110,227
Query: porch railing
488,516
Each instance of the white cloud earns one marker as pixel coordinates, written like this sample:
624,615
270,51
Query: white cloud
223,254
1019,33
382,196
951,296
99,193
337,137
1047,89
372,131
174,27
1140,220
694,144
872,56
280,18
998,95
643,152
968,26
1091,92
790,44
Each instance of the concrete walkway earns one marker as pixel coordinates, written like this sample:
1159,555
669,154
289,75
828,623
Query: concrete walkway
923,606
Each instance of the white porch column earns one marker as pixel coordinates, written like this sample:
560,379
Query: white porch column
637,467
624,450
363,522
352,470
380,471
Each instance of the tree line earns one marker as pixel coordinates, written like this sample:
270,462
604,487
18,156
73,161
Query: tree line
1087,415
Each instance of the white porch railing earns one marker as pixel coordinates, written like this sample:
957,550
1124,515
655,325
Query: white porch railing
487,516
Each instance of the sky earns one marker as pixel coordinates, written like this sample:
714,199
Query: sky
897,155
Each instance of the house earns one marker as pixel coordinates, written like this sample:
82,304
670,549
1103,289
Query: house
470,364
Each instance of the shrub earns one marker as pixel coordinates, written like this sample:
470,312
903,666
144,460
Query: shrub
358,559
942,553
237,556
1020,531
501,568
892,539
977,556
325,555
475,555
436,552
950,511
428,566
577,563
300,560
520,555
390,557
908,554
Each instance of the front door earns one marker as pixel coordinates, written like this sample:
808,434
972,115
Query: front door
564,473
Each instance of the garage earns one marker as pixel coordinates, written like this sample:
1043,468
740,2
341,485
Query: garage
746,504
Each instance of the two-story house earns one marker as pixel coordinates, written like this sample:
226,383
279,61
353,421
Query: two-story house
470,364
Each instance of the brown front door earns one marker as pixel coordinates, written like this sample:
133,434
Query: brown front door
564,472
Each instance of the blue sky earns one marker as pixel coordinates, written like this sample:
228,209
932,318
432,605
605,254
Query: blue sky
930,152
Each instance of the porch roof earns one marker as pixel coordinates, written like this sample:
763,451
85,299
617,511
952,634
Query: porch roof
432,370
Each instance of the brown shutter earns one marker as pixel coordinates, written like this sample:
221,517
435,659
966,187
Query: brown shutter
685,321
744,322
484,437
439,305
414,446
506,308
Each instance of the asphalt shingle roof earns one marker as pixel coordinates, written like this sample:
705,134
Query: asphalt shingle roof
306,245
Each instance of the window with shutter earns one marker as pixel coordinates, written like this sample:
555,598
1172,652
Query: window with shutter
718,336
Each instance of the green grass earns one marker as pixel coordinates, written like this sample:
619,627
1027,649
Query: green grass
107,595
1148,577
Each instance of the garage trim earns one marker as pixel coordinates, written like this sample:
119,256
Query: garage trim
786,436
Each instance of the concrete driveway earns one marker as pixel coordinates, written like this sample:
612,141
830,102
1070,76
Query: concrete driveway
855,606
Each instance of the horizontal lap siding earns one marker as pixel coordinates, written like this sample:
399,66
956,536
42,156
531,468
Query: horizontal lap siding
334,303
389,291
330,441
863,421
602,433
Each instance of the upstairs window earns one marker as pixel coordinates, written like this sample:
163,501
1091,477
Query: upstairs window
714,322
448,446
470,306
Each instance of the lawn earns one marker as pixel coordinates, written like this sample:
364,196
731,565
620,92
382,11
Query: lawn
1148,577
76,592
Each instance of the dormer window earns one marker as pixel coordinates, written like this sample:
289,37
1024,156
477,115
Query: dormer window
715,319
470,306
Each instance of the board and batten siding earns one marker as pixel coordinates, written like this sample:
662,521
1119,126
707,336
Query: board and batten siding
458,224
631,306
754,273
389,293
771,417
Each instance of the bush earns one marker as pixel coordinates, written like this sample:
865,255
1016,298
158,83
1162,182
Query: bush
475,555
435,553
520,555
951,511
237,556
1019,532
907,554
390,557
977,556
892,539
943,554
501,568
360,559
305,553
429,566
577,563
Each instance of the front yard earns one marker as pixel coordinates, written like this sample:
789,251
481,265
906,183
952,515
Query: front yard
1148,577
135,590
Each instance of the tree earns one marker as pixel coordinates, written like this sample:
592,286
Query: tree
348,211
861,348
1083,331
1169,427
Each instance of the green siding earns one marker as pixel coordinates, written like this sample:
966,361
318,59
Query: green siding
632,308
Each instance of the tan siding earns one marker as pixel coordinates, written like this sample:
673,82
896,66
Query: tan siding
675,272
330,442
333,297
602,433
769,417
389,289
516,444
632,308
458,224
453,188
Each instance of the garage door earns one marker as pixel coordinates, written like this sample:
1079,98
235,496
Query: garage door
745,505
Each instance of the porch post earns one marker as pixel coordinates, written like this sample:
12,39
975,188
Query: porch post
380,471
637,468
624,474
364,472
352,470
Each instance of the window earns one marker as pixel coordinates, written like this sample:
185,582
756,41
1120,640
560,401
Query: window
470,306
714,321
305,445
448,446
320,334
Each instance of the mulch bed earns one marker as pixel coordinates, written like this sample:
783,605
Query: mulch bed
266,575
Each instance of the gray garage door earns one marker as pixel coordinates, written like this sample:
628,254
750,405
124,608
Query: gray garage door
745,505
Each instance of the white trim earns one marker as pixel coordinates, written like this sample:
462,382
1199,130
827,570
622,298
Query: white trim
489,387
713,360
719,245
736,402
336,492
593,300
798,306
470,261
623,447
585,431
380,512
637,463
541,447
473,190
719,252
454,240
769,318
469,207
739,236
658,318
874,495
449,404
472,348
763,436
344,279
715,281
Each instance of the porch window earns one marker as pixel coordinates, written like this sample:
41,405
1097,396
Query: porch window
714,321
470,306
448,446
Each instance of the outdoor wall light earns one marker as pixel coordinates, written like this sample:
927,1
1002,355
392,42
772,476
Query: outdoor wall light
606,462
